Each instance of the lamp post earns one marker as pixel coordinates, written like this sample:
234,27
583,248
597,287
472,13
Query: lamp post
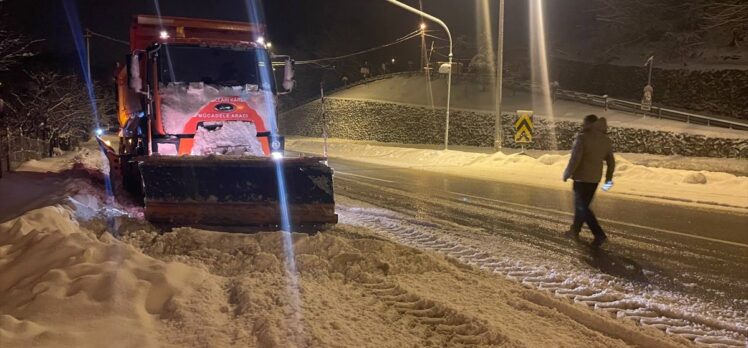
449,73
498,130
88,52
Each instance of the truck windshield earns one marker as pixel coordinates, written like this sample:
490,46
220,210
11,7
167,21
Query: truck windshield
216,66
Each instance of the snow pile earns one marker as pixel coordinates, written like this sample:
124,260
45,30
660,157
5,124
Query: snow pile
61,285
180,102
707,187
230,138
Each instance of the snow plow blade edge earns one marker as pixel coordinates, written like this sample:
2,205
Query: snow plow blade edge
234,191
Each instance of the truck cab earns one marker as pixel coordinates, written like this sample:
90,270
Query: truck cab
199,87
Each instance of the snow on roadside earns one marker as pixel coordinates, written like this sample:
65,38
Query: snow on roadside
650,307
65,281
705,187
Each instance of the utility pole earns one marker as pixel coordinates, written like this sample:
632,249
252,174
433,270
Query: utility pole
649,77
88,54
324,119
498,130
449,73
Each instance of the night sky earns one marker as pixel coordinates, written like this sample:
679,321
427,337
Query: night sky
305,29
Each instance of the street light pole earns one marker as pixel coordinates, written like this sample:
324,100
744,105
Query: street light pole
498,130
88,53
649,77
449,73
423,37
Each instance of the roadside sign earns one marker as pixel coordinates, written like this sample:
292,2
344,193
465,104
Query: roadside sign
523,127
647,98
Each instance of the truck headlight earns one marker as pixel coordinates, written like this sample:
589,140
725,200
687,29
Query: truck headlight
275,145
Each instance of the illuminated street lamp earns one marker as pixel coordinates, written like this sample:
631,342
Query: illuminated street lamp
423,26
449,73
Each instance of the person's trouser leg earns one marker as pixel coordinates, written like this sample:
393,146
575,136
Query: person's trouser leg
579,208
584,192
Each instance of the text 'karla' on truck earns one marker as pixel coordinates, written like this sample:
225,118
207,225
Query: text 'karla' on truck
198,133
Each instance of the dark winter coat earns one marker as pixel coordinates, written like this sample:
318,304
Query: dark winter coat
591,147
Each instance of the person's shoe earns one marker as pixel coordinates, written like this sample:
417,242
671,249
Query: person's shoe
572,234
598,241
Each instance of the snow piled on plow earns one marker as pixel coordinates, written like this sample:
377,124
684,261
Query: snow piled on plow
231,138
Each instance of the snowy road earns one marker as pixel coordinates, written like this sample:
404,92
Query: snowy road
689,262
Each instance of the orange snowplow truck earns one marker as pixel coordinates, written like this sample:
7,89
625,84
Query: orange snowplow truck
198,134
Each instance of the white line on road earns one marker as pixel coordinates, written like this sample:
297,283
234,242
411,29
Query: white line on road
606,220
362,176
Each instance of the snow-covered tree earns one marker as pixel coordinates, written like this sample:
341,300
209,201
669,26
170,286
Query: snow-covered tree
13,46
56,108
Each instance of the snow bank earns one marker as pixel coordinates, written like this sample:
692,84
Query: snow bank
707,187
63,286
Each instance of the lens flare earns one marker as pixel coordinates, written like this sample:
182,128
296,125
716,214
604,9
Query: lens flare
539,58
71,11
165,35
265,73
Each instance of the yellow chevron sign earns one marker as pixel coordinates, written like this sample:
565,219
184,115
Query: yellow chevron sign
523,127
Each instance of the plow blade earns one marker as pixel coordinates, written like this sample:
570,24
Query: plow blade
233,191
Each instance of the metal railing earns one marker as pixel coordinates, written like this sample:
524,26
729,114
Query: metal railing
636,108
16,148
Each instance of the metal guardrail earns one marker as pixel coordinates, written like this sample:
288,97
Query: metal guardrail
634,107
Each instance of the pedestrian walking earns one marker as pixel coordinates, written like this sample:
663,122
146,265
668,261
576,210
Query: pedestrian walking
554,90
365,72
591,147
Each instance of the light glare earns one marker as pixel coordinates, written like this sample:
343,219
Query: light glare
164,34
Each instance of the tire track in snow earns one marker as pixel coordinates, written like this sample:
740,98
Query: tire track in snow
461,329
591,293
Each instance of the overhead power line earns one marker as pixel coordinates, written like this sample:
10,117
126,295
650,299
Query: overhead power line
93,33
407,37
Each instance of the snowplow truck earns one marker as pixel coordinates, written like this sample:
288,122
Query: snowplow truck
198,134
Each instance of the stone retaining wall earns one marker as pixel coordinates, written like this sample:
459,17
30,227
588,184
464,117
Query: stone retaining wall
387,122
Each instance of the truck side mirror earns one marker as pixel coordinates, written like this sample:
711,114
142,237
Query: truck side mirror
288,72
133,73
